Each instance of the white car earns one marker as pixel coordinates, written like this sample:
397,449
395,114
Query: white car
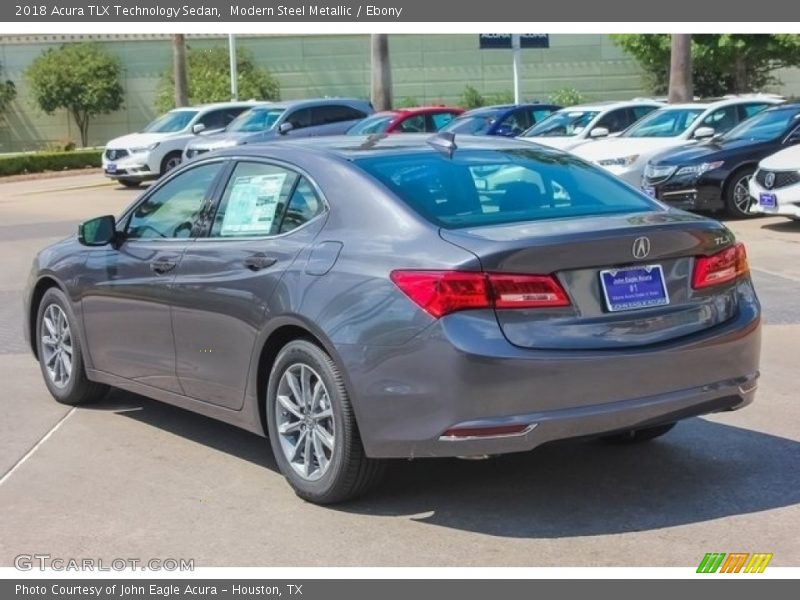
570,127
137,157
775,187
669,127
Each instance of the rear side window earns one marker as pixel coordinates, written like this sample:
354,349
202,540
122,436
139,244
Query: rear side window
253,201
492,187
304,205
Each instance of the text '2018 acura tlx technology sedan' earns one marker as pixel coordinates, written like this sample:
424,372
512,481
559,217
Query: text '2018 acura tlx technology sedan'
357,299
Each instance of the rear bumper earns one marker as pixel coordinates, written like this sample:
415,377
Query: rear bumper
463,373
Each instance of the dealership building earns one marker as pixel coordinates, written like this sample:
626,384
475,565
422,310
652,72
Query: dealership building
426,68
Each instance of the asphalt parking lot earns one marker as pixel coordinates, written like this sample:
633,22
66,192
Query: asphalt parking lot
132,478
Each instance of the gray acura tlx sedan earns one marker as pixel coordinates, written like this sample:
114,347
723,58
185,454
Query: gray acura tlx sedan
358,299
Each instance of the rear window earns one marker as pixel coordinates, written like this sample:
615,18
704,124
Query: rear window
487,187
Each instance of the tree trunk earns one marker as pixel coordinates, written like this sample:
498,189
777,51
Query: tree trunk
82,121
179,70
680,69
740,84
381,80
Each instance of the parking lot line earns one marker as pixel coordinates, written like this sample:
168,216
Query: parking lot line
36,446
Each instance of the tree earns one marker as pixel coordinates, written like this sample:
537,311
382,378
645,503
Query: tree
81,78
8,92
208,75
721,63
680,68
381,77
179,70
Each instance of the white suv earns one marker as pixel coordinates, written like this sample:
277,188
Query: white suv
573,126
775,187
137,157
669,127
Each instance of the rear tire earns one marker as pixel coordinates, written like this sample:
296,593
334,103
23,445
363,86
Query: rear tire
60,353
737,194
312,428
637,436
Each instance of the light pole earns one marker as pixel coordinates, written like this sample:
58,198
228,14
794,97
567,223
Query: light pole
234,74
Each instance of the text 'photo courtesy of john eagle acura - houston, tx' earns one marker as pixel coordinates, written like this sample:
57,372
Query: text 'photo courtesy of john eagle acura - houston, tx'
361,298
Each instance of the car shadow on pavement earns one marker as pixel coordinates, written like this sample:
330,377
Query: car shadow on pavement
788,225
698,472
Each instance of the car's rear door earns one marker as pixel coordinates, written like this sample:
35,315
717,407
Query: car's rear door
126,303
267,214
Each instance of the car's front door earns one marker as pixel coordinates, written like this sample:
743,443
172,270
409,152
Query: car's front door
266,216
126,305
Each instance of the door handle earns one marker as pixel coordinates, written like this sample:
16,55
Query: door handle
162,266
256,262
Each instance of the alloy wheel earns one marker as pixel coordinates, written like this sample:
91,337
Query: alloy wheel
305,424
57,353
741,195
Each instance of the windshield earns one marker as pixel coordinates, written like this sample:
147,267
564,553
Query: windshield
477,124
664,123
764,126
255,119
488,187
370,125
564,123
175,120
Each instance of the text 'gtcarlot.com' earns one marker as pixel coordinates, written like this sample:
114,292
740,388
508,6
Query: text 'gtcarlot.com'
29,562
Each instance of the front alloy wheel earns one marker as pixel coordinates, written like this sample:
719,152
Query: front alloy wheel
738,202
57,351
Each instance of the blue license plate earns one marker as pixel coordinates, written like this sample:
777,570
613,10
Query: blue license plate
634,287
111,168
649,190
767,200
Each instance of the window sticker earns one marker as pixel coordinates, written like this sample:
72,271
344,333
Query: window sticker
252,204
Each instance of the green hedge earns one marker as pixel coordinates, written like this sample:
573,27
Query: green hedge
37,162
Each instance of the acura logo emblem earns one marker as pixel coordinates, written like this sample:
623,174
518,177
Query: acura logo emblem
769,180
641,247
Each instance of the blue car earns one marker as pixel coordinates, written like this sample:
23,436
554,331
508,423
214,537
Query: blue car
508,120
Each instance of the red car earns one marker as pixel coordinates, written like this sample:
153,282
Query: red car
419,119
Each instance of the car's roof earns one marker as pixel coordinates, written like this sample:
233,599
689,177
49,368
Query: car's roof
319,102
610,104
351,147
213,105
503,107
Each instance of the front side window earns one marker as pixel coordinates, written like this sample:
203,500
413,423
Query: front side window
172,210
439,120
514,123
614,120
487,187
721,120
765,126
414,124
255,120
372,125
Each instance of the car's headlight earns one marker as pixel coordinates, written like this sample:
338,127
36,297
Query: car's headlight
141,149
701,168
623,161
658,172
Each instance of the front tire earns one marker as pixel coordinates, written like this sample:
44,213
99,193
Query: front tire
737,194
312,428
170,161
638,436
60,352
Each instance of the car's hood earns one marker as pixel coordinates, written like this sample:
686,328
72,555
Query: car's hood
785,160
707,151
231,138
138,140
623,146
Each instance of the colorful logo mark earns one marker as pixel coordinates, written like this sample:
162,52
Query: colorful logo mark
735,562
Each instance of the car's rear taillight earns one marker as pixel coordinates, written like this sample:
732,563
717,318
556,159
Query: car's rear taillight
443,292
721,267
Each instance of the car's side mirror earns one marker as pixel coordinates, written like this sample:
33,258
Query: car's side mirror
198,127
702,133
285,128
598,132
98,231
